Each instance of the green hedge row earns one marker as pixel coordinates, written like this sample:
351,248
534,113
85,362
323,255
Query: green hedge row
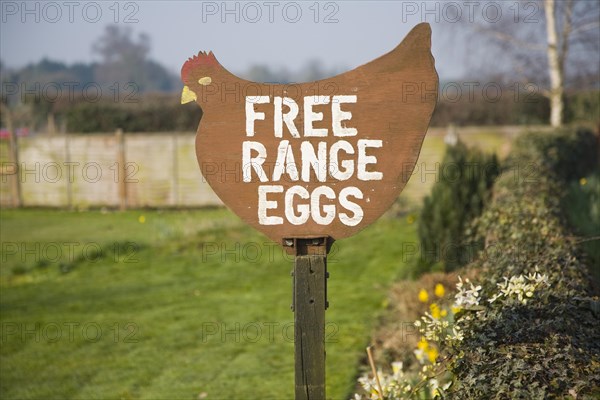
550,347
162,114
86,118
509,108
466,176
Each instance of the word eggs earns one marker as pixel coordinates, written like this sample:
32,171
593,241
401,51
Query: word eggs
304,159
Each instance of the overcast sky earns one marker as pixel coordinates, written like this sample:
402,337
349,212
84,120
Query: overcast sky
278,34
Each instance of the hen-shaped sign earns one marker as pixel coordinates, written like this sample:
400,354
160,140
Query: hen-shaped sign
316,159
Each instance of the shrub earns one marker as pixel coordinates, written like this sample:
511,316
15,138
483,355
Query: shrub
525,107
549,347
529,328
566,154
465,178
149,114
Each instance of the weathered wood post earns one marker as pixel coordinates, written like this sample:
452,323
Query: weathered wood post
175,166
309,305
70,177
13,158
122,169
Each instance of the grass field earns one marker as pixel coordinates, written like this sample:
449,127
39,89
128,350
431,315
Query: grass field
186,305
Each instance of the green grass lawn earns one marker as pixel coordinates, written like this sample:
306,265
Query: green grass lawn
186,305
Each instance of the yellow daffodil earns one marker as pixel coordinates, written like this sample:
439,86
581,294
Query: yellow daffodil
435,310
423,296
432,354
439,290
396,367
385,303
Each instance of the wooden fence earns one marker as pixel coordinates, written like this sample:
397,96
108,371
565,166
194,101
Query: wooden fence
160,169
94,170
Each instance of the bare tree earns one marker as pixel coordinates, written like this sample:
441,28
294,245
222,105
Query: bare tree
117,45
557,52
122,57
553,44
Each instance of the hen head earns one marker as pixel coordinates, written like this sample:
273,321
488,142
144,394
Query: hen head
198,75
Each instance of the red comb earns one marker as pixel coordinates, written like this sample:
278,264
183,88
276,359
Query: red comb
201,60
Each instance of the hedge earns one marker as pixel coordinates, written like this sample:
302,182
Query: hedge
466,176
549,347
149,114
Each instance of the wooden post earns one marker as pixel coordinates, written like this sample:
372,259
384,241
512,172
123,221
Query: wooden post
13,158
69,176
122,168
175,176
310,302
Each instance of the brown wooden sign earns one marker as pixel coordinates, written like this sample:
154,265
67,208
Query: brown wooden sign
317,159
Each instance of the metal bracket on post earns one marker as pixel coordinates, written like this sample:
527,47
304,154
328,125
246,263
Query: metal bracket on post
309,305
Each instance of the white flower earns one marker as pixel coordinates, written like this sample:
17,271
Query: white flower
457,334
420,355
466,297
434,385
394,387
397,369
521,287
